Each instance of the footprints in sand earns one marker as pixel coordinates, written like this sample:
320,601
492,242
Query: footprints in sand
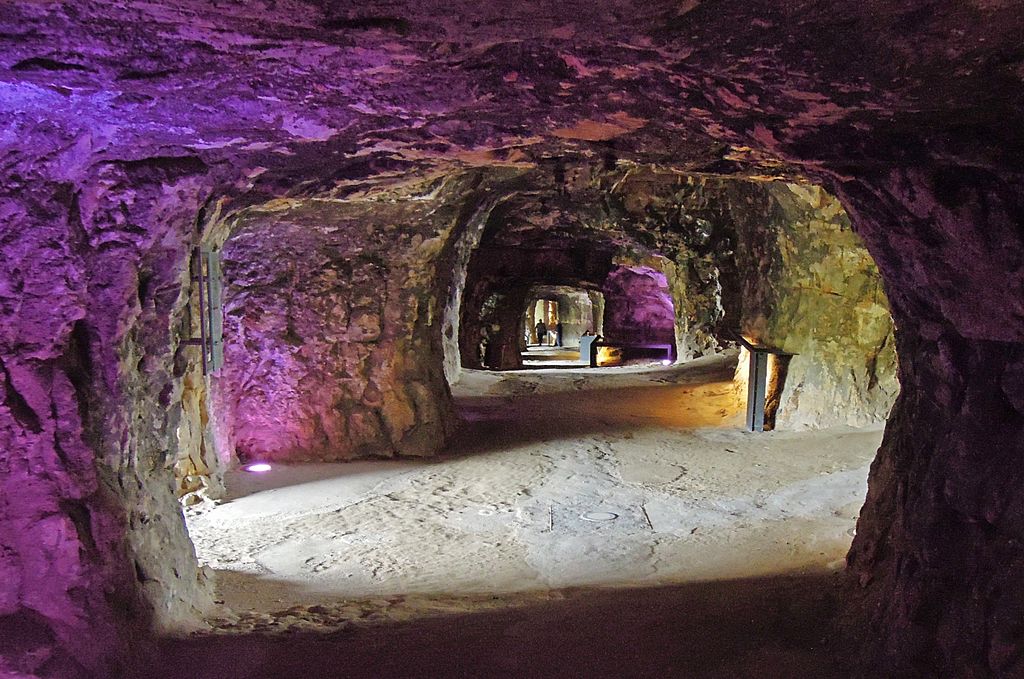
504,513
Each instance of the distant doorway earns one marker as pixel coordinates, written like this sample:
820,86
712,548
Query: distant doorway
546,329
553,321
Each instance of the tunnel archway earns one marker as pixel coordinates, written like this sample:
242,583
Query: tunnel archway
579,310
279,331
639,310
108,171
883,347
627,270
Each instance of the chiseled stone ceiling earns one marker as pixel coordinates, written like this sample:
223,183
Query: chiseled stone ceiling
293,98
312,95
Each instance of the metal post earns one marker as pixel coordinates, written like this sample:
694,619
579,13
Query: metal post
202,307
757,389
214,315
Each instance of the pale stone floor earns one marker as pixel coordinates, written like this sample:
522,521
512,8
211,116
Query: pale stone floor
559,479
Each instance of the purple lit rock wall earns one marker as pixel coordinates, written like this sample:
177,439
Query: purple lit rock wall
94,260
936,566
333,329
120,120
638,307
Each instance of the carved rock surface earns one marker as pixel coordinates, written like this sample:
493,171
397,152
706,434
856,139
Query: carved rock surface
811,289
332,342
638,307
127,125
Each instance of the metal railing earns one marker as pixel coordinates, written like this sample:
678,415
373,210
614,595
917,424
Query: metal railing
206,275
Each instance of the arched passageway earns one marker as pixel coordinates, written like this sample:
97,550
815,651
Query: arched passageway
555,478
134,131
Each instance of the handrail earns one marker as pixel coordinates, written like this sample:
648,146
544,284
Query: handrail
760,347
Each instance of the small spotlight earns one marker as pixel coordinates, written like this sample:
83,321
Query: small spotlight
666,362
258,467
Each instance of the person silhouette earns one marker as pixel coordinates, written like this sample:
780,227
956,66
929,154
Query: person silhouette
542,332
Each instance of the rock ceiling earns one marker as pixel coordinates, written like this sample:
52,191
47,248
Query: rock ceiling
310,97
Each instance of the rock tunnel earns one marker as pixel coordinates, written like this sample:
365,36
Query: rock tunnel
383,184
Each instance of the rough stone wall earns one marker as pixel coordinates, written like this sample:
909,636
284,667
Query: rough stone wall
332,331
503,323
937,565
597,304
810,288
690,221
638,307
92,543
911,113
453,267
198,471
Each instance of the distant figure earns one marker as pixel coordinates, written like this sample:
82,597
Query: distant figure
558,334
542,333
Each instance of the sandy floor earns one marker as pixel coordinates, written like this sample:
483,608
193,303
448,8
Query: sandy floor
559,479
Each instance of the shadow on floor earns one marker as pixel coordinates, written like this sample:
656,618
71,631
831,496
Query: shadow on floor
768,628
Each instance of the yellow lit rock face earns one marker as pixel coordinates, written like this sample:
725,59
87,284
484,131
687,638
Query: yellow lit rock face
607,356
818,294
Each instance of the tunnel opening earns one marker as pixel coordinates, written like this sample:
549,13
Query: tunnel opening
561,316
116,159
542,320
553,476
565,325
639,324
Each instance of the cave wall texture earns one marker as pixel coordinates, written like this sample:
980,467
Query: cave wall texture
638,307
125,122
332,349
810,288
92,536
